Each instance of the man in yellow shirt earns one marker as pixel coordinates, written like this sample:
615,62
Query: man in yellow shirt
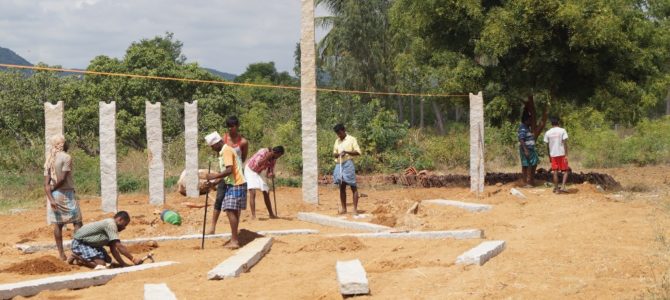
235,198
345,148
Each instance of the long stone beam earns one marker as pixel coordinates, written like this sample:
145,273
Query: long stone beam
242,261
26,248
72,281
482,253
336,222
474,207
447,234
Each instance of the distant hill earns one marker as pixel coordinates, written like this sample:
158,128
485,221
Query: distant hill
8,56
224,75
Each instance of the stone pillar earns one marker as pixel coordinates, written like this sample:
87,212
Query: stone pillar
155,153
108,187
191,144
310,170
477,172
53,123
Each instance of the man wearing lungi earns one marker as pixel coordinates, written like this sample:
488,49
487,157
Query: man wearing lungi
89,241
235,196
345,148
62,208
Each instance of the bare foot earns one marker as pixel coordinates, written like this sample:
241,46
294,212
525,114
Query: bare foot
231,245
341,211
63,257
253,217
273,217
211,231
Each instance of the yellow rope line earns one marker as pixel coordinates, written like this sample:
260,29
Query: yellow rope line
259,85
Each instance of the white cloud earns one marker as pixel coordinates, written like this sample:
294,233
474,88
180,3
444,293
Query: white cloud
226,34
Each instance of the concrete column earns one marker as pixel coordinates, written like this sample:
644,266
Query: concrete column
155,152
191,144
310,170
477,171
108,187
53,123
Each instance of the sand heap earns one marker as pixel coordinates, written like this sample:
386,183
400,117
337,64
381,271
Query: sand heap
42,265
336,244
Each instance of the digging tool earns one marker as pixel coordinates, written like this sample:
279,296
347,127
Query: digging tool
204,221
274,195
149,256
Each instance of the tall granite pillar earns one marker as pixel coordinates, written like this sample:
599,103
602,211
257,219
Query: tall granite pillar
108,185
310,170
155,153
191,144
477,172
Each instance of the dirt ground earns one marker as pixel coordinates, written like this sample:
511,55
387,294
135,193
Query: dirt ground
583,245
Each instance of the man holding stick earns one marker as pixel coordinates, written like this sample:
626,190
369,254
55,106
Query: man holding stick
345,148
265,158
235,186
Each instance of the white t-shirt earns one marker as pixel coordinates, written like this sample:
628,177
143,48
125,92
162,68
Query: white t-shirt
555,137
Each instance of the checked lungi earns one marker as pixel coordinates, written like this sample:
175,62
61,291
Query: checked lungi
67,208
89,252
235,197
346,173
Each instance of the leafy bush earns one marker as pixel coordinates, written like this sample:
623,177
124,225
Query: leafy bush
128,183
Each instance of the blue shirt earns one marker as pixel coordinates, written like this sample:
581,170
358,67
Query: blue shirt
526,136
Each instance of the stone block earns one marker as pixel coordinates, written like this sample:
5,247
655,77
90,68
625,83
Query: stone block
336,222
482,253
352,278
245,258
310,170
158,291
477,171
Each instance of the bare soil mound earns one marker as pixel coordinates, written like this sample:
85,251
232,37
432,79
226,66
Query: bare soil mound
42,265
336,244
142,247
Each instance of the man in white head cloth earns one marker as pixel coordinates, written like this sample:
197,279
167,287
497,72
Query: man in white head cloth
62,208
231,195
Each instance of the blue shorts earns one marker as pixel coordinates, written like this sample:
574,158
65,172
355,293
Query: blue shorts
89,252
235,197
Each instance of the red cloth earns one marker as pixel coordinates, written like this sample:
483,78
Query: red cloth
559,163
256,166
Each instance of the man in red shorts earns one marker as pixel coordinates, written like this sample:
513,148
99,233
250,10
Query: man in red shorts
556,140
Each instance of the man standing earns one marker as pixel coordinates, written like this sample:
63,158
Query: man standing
62,208
241,147
89,241
265,158
345,148
235,191
557,144
527,151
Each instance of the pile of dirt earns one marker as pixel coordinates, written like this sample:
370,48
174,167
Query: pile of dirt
385,219
142,247
336,244
42,265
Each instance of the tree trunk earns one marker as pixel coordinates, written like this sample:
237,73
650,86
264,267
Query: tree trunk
421,112
438,118
401,114
458,112
411,112
529,108
667,103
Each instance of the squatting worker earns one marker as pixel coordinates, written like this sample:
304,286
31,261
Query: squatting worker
62,208
345,148
264,159
527,151
240,145
557,144
89,241
235,192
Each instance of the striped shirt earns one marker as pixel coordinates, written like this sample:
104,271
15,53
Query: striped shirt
258,167
98,234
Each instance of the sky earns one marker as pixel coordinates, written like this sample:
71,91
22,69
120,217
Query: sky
226,35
